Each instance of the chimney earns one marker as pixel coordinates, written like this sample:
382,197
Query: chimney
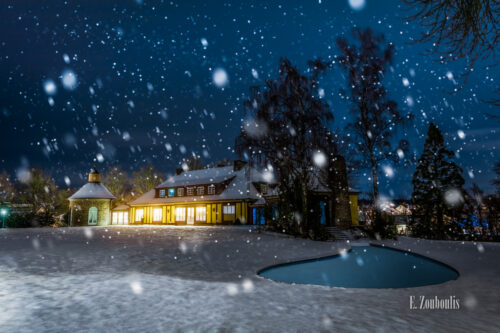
178,171
238,165
94,176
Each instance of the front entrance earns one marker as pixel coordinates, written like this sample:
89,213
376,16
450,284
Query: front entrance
190,215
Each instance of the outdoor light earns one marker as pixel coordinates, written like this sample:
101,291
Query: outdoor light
3,211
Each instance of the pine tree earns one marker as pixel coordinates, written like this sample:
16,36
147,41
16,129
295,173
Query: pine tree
437,188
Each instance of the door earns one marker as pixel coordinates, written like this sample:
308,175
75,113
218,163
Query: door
190,215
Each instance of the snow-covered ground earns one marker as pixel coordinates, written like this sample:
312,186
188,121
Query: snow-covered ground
161,279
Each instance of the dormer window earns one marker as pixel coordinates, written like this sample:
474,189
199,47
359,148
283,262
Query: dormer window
180,192
171,192
200,190
190,191
162,193
211,189
263,188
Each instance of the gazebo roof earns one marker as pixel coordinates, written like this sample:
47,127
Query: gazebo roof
93,191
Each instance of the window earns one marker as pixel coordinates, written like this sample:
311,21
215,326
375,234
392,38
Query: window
157,213
120,218
190,191
171,192
263,188
201,214
180,214
180,191
200,190
229,209
162,193
211,189
139,215
92,215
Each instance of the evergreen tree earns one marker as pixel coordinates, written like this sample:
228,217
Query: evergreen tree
437,189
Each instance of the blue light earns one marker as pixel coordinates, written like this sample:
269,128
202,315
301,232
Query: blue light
171,192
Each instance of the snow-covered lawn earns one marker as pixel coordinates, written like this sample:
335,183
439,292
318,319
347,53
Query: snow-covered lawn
161,279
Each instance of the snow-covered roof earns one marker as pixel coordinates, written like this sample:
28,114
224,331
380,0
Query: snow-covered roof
199,177
240,186
93,191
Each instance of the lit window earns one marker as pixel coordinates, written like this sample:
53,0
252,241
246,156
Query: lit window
190,190
201,214
157,213
263,188
171,192
125,218
162,193
211,189
115,218
229,209
92,215
180,214
200,190
139,215
180,192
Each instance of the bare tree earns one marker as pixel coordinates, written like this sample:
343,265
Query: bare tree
375,117
459,30
286,124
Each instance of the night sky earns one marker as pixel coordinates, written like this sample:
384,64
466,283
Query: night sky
129,82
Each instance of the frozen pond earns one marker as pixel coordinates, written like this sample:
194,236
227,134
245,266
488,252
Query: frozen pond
365,267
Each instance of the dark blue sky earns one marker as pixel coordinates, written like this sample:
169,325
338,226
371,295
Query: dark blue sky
145,89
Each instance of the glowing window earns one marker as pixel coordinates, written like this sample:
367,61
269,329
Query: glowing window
201,214
157,214
229,209
180,214
92,215
211,189
171,192
125,218
139,215
162,193
115,218
180,191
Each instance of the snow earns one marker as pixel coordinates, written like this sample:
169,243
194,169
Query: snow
50,87
319,159
357,4
93,191
69,80
220,78
139,280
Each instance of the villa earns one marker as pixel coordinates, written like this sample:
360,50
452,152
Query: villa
234,194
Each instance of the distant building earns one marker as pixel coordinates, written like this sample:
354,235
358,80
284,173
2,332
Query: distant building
91,204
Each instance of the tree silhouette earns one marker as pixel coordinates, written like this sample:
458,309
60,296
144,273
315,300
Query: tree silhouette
285,124
145,179
118,183
376,117
459,30
437,188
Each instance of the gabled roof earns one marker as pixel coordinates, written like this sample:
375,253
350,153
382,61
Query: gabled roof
200,177
93,191
240,186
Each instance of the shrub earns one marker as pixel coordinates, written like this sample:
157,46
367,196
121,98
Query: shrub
20,221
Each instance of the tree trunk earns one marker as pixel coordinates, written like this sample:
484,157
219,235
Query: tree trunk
374,177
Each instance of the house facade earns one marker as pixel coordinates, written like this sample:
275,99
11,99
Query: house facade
234,194
219,195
